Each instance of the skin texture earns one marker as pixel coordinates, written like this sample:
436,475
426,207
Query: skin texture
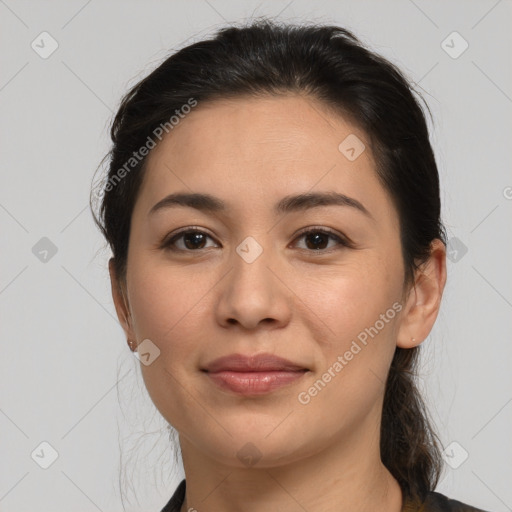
304,304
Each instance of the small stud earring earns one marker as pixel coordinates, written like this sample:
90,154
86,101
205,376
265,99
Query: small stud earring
413,339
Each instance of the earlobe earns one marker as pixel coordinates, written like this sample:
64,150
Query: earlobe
424,298
120,302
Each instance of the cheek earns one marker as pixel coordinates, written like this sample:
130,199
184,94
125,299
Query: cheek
154,306
361,309
169,307
351,298
157,296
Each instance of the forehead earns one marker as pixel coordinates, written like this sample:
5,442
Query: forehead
260,149
292,126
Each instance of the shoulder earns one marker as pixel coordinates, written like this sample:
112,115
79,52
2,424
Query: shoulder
175,503
436,502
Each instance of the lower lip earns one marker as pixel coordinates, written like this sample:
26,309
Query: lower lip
254,383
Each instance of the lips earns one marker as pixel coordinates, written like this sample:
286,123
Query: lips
253,375
256,363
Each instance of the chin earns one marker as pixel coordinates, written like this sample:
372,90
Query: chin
263,443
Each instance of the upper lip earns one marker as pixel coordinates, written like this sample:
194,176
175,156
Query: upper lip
254,363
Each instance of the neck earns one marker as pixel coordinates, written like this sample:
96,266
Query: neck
346,476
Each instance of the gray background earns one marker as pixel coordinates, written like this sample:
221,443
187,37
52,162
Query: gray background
67,376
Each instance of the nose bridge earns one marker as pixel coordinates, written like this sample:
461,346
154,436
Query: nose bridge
251,277
251,293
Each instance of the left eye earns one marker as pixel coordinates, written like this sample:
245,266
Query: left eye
192,240
317,239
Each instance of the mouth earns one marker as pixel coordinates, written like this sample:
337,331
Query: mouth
253,375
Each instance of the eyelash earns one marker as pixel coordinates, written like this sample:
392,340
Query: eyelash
342,242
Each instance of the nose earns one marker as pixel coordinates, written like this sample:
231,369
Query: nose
254,293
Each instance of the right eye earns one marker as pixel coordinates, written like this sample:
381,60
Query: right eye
191,240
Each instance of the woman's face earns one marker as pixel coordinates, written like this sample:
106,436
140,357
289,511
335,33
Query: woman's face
252,283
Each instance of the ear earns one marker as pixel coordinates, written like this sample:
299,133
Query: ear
424,298
121,304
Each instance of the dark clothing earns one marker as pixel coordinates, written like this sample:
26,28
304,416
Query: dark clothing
435,502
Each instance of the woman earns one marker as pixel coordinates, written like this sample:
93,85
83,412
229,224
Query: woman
273,210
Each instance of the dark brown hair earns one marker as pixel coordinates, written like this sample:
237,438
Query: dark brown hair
330,64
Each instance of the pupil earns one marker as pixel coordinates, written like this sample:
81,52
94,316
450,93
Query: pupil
318,239
195,237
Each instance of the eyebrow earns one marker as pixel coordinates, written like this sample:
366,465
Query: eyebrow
292,203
